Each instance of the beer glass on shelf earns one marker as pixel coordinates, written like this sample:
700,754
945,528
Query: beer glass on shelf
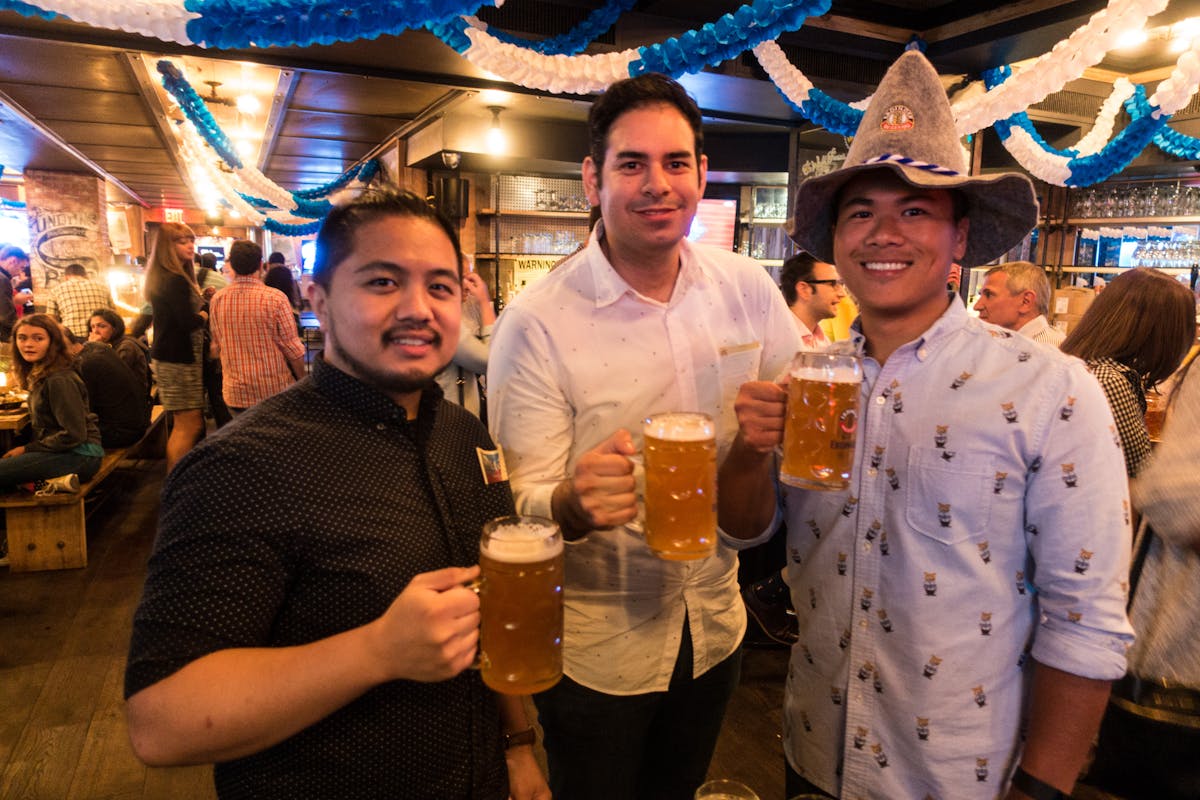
822,420
680,457
520,604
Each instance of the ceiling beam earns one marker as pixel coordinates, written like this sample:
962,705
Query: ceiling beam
53,138
1006,12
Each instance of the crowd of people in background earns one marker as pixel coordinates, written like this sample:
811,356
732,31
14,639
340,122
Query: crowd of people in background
122,374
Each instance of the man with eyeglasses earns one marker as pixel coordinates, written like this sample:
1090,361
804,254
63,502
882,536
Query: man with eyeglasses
813,291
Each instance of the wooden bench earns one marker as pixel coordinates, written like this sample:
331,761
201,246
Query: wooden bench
50,531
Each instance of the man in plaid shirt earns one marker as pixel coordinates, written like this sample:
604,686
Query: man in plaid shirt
75,297
255,333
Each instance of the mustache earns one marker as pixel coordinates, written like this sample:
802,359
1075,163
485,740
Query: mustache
407,329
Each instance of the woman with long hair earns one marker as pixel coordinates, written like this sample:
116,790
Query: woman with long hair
1134,336
177,353
66,437
107,326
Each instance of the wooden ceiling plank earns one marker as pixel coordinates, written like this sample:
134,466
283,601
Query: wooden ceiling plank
1004,12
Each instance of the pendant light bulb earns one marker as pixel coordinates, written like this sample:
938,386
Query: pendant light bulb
496,141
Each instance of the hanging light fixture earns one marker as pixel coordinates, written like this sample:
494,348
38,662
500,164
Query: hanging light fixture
497,142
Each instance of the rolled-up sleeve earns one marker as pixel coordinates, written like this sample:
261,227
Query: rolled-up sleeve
1078,533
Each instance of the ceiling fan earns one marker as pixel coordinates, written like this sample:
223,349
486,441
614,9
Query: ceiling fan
212,95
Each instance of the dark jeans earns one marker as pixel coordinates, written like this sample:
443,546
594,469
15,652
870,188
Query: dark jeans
39,466
653,746
795,785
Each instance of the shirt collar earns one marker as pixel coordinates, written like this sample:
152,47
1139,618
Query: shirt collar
366,401
1034,326
954,318
611,287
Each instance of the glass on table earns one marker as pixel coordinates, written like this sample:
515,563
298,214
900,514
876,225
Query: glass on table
723,789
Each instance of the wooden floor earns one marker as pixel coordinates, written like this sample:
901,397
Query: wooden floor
63,639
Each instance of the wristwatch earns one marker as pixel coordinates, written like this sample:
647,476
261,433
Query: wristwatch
527,736
1037,788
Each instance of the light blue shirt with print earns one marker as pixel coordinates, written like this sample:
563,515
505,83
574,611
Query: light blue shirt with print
987,523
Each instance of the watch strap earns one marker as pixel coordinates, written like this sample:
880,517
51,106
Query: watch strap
518,738
1036,788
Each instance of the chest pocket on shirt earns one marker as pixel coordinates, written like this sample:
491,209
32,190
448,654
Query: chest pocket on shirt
739,364
949,501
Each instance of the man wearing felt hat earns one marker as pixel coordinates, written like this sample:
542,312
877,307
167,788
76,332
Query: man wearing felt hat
961,605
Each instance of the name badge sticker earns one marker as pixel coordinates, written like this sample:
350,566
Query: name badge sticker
491,465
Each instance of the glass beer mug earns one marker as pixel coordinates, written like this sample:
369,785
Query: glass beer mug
520,604
822,420
680,458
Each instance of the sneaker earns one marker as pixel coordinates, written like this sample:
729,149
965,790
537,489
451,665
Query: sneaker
63,484
769,603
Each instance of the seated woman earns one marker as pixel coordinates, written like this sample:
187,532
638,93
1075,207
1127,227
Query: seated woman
107,326
66,437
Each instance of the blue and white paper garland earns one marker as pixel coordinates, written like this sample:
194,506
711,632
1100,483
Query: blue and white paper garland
554,65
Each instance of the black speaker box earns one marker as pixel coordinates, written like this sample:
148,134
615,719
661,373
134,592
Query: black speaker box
453,197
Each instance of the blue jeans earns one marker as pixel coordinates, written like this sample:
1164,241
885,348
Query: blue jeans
653,746
37,466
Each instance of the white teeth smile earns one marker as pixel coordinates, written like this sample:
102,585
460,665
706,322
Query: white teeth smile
410,342
884,266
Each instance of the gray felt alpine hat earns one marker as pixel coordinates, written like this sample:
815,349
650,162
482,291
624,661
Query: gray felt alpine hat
909,129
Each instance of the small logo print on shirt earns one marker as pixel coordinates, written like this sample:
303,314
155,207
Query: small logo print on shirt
491,464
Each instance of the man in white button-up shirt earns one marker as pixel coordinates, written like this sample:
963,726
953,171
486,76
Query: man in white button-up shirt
639,322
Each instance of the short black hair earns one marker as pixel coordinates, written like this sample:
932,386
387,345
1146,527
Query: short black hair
276,258
632,93
799,267
245,257
207,260
12,251
335,240
75,270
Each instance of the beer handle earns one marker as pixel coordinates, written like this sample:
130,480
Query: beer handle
637,525
476,586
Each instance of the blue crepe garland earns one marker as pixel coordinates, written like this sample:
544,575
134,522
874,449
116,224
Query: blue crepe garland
577,39
263,23
1145,126
724,39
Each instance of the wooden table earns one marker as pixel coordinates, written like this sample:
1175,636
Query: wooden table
12,421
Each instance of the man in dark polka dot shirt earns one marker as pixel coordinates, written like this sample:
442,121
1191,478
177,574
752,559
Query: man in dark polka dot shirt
305,623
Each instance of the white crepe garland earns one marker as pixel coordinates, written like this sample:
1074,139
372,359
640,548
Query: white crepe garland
1084,48
558,74
1102,130
160,19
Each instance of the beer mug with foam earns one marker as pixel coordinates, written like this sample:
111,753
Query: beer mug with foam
520,604
822,420
680,455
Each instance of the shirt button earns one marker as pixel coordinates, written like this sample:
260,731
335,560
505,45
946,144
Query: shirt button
880,400
866,547
379,426
872,472
862,623
922,353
